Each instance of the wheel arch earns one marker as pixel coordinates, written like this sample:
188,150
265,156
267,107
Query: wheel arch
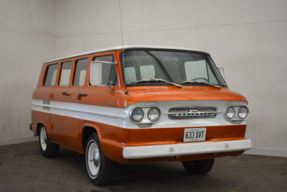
39,125
87,131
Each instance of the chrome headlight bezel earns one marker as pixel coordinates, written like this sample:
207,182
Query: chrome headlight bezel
238,113
150,110
225,113
236,119
145,120
132,114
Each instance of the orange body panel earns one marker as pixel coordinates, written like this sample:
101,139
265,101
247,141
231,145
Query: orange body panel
114,139
67,131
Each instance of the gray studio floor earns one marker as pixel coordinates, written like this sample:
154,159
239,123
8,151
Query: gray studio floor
23,168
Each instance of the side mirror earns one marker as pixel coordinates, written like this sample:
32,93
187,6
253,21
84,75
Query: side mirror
221,70
96,72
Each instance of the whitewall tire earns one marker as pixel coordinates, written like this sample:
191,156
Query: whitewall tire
48,148
101,170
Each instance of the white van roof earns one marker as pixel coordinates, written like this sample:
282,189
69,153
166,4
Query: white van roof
126,47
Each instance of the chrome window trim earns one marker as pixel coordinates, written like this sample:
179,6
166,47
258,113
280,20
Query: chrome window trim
105,62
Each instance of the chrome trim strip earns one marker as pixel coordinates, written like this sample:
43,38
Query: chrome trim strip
105,62
174,113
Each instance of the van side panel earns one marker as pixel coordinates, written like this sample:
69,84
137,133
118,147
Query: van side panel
44,94
58,111
73,134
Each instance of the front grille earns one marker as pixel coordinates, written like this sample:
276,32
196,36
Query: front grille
192,113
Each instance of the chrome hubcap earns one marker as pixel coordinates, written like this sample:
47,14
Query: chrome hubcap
96,158
43,139
93,159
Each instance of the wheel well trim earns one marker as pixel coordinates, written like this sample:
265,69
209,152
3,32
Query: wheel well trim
38,126
92,126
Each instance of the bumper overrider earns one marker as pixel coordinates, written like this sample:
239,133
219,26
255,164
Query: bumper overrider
152,151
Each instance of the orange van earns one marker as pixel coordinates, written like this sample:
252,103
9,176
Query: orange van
138,104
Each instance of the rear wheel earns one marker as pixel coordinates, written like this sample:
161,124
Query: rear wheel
48,148
199,167
100,169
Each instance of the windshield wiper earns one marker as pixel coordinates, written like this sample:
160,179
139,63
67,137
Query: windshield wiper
160,80
219,87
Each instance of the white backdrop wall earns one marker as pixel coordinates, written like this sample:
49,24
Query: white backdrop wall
27,38
246,37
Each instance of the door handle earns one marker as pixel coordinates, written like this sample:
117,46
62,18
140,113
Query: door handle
82,94
66,93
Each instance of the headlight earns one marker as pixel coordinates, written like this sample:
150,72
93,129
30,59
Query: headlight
153,114
243,112
230,112
137,114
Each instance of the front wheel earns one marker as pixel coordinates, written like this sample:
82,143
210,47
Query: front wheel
48,148
100,169
199,167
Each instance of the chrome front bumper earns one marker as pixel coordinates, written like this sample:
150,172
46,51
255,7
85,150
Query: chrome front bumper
140,152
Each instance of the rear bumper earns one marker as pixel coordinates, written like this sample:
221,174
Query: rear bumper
34,129
140,152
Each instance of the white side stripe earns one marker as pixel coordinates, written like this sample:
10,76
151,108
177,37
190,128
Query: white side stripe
120,116
107,115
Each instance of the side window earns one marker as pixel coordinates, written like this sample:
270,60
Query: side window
80,72
51,75
109,71
65,73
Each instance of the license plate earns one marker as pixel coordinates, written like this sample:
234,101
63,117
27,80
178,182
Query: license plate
194,134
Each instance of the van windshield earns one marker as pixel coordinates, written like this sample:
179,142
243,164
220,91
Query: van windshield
180,67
